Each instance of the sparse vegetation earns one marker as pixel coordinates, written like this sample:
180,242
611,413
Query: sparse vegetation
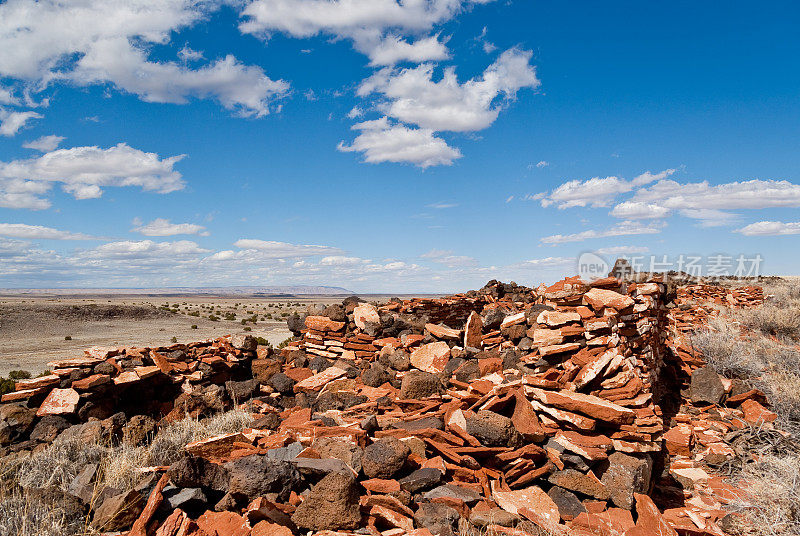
30,500
760,347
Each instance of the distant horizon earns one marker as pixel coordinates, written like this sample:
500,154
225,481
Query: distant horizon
424,145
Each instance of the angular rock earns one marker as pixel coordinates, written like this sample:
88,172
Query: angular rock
384,458
118,512
431,357
706,387
438,518
473,331
60,402
493,429
625,476
254,476
418,384
592,406
331,505
569,506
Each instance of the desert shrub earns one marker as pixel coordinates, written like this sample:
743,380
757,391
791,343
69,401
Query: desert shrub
262,341
68,338
57,465
19,375
194,326
771,505
726,352
780,321
26,515
174,339
284,342
247,328
213,318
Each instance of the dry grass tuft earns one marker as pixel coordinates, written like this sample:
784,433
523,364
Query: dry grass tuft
119,470
22,515
24,510
772,505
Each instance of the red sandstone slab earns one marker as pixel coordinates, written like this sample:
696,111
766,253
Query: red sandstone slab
59,402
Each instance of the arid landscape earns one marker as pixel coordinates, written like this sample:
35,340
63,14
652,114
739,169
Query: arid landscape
37,328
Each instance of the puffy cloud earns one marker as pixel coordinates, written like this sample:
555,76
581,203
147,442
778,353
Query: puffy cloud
752,194
272,249
82,171
770,228
382,141
597,192
412,96
633,210
21,230
107,41
144,250
376,27
620,229
394,49
163,227
12,122
45,144
340,260
542,164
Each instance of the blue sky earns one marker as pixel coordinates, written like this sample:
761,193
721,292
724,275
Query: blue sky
389,145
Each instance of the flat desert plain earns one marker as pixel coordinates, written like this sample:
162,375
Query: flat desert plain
38,329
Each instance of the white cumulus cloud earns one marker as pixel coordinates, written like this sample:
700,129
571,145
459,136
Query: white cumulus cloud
32,232
383,141
164,227
413,96
83,172
770,228
86,42
45,144
12,122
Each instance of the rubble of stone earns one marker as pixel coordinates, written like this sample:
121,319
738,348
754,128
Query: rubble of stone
577,408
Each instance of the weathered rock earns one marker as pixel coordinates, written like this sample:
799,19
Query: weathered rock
118,512
493,516
264,369
473,330
600,298
384,458
194,472
453,491
625,476
60,402
340,449
438,518
254,476
431,357
706,387
586,483
569,506
222,524
331,505
493,429
241,391
421,479
138,430
417,385
48,428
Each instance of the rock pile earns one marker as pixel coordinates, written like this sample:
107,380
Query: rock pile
508,409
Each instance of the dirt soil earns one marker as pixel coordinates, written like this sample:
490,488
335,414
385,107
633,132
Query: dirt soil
33,331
